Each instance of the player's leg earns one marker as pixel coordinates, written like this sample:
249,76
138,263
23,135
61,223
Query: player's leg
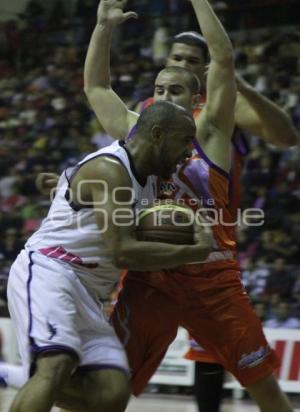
101,390
101,381
209,376
40,392
233,333
62,317
145,321
268,395
208,387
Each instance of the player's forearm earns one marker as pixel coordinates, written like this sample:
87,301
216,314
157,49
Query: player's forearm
219,44
276,125
97,62
145,256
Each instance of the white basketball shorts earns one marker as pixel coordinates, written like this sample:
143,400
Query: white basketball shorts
52,311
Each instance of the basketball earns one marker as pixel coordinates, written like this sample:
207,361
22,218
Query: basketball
167,223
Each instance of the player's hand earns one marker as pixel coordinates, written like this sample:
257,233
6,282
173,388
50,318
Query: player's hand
203,236
46,183
112,12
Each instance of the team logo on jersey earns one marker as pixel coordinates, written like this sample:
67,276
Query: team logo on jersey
254,358
166,188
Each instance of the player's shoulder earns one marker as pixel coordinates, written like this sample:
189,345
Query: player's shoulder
107,168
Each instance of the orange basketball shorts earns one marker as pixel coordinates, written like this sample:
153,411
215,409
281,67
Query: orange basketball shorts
215,310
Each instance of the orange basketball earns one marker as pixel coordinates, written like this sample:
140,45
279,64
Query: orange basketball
167,223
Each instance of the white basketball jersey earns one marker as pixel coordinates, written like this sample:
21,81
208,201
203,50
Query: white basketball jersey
71,234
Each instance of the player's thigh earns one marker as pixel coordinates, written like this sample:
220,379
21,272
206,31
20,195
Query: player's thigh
55,368
42,306
228,326
146,322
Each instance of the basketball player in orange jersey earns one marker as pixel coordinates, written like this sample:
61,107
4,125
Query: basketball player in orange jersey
189,50
254,114
207,298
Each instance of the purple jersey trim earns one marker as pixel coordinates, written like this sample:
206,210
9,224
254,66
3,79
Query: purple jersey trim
131,133
208,161
240,143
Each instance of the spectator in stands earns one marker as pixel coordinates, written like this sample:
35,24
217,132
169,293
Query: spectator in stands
283,317
280,281
255,279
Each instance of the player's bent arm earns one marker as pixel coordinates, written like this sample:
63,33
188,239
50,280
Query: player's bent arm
115,214
257,115
112,113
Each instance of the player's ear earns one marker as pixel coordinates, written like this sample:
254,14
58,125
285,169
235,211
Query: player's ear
156,134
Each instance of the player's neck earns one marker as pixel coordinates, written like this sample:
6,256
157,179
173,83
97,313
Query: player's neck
140,159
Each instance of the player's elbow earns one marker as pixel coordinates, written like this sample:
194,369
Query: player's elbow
119,261
284,139
123,257
292,139
225,57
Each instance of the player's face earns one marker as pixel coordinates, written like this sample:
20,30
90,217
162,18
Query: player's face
188,57
172,87
176,146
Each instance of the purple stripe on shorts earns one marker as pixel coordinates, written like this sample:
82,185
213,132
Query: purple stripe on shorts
96,367
53,348
36,350
208,161
28,292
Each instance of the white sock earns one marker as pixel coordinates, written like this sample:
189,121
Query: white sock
12,375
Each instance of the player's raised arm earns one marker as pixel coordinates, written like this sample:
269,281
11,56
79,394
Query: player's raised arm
215,125
256,114
111,111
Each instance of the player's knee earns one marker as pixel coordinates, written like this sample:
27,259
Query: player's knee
109,400
112,395
55,367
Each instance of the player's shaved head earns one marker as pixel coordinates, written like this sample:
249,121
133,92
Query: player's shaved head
191,79
167,115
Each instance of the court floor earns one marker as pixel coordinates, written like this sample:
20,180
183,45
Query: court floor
153,403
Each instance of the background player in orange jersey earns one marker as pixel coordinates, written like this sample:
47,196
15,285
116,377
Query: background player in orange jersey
209,295
254,114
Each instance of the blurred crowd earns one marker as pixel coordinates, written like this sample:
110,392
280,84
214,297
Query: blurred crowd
47,125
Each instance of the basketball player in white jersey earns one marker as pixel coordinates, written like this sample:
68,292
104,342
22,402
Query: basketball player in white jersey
70,266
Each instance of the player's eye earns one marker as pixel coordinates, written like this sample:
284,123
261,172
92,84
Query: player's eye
176,91
159,90
193,61
177,58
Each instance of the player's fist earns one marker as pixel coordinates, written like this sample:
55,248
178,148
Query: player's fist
46,183
112,12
